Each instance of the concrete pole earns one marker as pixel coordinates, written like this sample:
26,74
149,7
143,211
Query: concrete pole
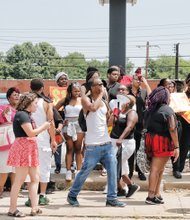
117,33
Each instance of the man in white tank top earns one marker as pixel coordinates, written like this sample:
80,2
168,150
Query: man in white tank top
45,140
98,146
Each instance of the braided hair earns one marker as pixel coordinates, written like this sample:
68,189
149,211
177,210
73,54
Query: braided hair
157,97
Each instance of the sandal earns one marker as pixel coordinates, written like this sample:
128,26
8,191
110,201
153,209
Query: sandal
17,214
37,212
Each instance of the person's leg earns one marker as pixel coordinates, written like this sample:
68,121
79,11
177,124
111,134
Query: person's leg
138,137
12,178
127,150
163,161
78,152
45,168
156,170
21,173
131,165
69,151
91,158
176,168
110,163
33,187
3,178
57,157
184,147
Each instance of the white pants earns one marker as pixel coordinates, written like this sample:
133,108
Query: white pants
4,168
45,166
128,148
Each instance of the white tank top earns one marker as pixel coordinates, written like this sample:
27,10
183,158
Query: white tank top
43,139
72,111
97,130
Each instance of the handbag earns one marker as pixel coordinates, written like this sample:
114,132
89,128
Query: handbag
143,161
7,136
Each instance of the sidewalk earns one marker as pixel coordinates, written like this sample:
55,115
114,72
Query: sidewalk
92,206
97,182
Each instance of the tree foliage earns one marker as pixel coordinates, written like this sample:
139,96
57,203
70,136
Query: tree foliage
29,60
164,67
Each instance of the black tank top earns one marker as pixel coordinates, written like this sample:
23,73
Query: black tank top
119,127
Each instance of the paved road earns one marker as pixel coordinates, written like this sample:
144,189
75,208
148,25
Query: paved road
92,206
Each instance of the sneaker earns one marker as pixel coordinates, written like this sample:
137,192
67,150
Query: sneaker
177,174
72,201
132,189
28,203
152,201
121,192
43,200
142,177
115,203
161,199
57,171
68,175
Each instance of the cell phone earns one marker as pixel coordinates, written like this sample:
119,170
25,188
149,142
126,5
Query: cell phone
140,77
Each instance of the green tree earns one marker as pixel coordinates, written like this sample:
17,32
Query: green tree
164,67
75,65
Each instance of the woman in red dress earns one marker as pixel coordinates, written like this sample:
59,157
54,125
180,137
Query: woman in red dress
23,154
161,139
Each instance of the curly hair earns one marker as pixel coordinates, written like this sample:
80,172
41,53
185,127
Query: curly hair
25,100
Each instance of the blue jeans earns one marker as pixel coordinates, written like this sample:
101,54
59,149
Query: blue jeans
94,154
57,157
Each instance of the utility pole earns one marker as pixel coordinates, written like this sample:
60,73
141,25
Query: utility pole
177,61
147,55
147,59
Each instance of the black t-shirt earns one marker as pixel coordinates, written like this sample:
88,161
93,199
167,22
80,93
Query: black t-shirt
157,121
140,105
20,118
113,90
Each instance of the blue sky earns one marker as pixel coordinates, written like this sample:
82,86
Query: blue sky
82,25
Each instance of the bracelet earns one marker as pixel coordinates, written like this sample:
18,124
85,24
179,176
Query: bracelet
176,148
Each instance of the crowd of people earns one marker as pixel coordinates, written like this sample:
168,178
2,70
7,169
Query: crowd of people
124,104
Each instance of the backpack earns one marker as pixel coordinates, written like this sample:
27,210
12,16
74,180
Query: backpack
82,119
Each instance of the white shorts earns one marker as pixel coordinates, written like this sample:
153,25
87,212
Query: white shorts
128,148
45,166
4,168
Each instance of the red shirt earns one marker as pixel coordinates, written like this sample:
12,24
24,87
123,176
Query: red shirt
126,80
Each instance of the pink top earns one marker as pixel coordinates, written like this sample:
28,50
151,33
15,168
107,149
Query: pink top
3,119
6,119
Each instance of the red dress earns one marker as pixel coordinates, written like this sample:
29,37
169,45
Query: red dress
23,153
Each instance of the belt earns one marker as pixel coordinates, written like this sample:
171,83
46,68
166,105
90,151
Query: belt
95,145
